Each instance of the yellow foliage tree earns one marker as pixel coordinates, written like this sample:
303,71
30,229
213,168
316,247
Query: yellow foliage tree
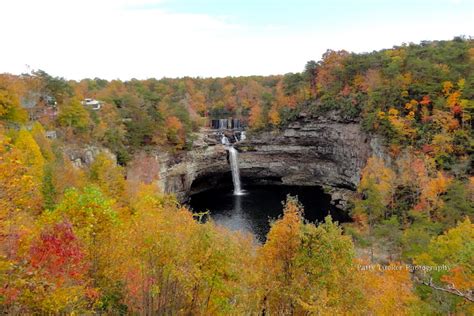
453,250
10,109
274,116
108,176
20,197
175,132
307,269
382,177
255,118
388,289
173,264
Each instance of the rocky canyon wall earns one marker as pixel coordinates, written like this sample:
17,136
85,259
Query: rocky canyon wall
311,151
327,151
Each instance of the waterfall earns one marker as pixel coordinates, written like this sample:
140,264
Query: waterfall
225,141
223,124
234,166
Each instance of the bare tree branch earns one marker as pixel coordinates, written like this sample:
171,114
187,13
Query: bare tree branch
468,295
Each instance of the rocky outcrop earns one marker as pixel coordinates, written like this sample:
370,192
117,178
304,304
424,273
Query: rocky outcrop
186,173
200,169
84,156
326,151
310,151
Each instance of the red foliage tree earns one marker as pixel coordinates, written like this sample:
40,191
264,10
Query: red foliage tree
58,254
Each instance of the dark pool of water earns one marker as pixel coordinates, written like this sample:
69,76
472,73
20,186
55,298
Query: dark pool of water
252,211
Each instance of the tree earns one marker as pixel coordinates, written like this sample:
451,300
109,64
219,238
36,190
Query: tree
388,290
20,197
311,73
93,220
66,176
109,177
331,67
48,189
430,199
59,266
279,254
90,213
377,186
21,175
74,116
171,263
293,85
453,250
39,135
58,87
255,118
10,109
457,204
110,131
175,132
274,116
307,269
31,153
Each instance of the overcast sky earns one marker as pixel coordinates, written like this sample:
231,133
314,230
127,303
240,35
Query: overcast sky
173,38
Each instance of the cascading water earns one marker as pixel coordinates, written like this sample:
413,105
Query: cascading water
234,166
225,141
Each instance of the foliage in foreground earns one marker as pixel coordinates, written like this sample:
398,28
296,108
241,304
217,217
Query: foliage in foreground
86,241
100,250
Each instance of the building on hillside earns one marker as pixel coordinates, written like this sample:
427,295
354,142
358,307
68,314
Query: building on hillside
92,103
51,134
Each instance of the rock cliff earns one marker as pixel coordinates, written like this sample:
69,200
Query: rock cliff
326,151
84,156
186,173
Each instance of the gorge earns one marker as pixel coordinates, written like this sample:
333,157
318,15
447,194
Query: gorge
320,155
324,152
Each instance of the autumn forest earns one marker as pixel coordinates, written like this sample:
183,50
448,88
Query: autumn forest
87,239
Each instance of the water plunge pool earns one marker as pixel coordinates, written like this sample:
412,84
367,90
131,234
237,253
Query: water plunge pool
252,211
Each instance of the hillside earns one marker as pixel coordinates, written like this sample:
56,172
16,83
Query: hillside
88,238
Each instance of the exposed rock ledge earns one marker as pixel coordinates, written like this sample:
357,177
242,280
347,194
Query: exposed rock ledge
183,174
326,151
82,156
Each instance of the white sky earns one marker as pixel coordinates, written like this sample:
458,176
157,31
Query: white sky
139,39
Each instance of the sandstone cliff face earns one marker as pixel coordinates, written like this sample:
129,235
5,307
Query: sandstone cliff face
183,174
324,150
311,151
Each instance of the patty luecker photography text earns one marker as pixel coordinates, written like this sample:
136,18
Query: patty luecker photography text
400,267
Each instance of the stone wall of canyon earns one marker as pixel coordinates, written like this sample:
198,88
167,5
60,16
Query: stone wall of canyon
326,151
